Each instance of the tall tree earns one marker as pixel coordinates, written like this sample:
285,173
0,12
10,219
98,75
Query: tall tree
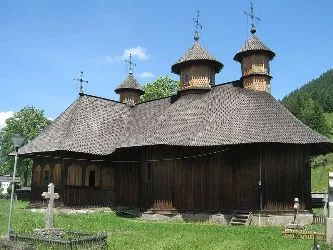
161,87
28,122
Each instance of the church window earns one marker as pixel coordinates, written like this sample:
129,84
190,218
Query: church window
46,174
37,175
56,174
212,78
92,176
108,176
74,175
186,78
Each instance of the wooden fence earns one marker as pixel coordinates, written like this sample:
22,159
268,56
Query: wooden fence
318,219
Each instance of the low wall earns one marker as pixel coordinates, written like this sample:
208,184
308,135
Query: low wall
265,220
281,219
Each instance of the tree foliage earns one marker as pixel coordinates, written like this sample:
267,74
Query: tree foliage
161,87
311,101
28,122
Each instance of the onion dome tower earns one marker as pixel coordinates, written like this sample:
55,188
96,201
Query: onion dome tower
129,90
197,68
254,58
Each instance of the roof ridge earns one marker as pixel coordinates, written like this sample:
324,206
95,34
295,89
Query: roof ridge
102,98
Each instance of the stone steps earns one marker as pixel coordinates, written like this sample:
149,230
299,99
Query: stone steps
241,219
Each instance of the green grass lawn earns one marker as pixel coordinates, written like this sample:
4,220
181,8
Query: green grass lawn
127,233
319,175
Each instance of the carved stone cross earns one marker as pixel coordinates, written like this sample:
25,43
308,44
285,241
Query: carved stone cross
51,196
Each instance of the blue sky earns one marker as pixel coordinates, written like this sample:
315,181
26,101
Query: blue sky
45,44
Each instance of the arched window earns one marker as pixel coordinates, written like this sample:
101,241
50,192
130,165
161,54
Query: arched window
74,175
56,174
46,174
108,176
37,175
92,176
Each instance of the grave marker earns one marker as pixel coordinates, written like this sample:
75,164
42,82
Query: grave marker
51,196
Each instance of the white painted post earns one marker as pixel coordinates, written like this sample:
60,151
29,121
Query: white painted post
329,219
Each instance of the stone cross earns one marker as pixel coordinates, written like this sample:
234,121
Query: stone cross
51,196
329,219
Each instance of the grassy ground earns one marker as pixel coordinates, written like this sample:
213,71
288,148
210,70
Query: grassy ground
319,175
126,233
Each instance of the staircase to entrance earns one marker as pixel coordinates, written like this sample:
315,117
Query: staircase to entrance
241,218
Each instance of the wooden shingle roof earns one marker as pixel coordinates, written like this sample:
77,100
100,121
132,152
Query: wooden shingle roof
251,45
196,53
226,115
129,83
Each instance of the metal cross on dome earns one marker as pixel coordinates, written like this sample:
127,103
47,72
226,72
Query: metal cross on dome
197,26
131,64
81,82
250,14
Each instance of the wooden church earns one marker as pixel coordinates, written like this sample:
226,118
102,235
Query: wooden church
210,148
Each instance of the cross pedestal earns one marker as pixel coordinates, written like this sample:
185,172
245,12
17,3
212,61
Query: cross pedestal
51,196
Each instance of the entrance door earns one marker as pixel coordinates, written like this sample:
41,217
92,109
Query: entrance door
245,192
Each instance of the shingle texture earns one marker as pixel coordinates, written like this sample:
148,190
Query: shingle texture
253,44
196,53
129,83
227,115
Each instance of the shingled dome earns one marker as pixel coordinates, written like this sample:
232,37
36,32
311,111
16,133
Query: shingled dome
253,45
195,54
129,83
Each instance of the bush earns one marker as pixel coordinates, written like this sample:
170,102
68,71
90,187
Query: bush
319,161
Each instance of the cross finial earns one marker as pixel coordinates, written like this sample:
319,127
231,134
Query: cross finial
131,64
250,14
197,27
81,82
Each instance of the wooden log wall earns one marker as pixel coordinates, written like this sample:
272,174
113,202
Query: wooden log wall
227,180
157,179
71,179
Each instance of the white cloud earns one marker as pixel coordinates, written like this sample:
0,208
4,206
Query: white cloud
146,74
137,52
4,116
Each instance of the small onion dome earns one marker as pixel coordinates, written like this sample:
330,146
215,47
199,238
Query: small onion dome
253,45
129,84
196,54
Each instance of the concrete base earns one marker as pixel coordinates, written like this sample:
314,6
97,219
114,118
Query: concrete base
329,230
265,220
188,217
294,226
281,219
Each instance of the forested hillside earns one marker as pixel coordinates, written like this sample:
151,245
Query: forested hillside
313,103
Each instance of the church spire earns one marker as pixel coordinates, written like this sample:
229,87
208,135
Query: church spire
250,13
197,27
130,90
254,58
197,68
